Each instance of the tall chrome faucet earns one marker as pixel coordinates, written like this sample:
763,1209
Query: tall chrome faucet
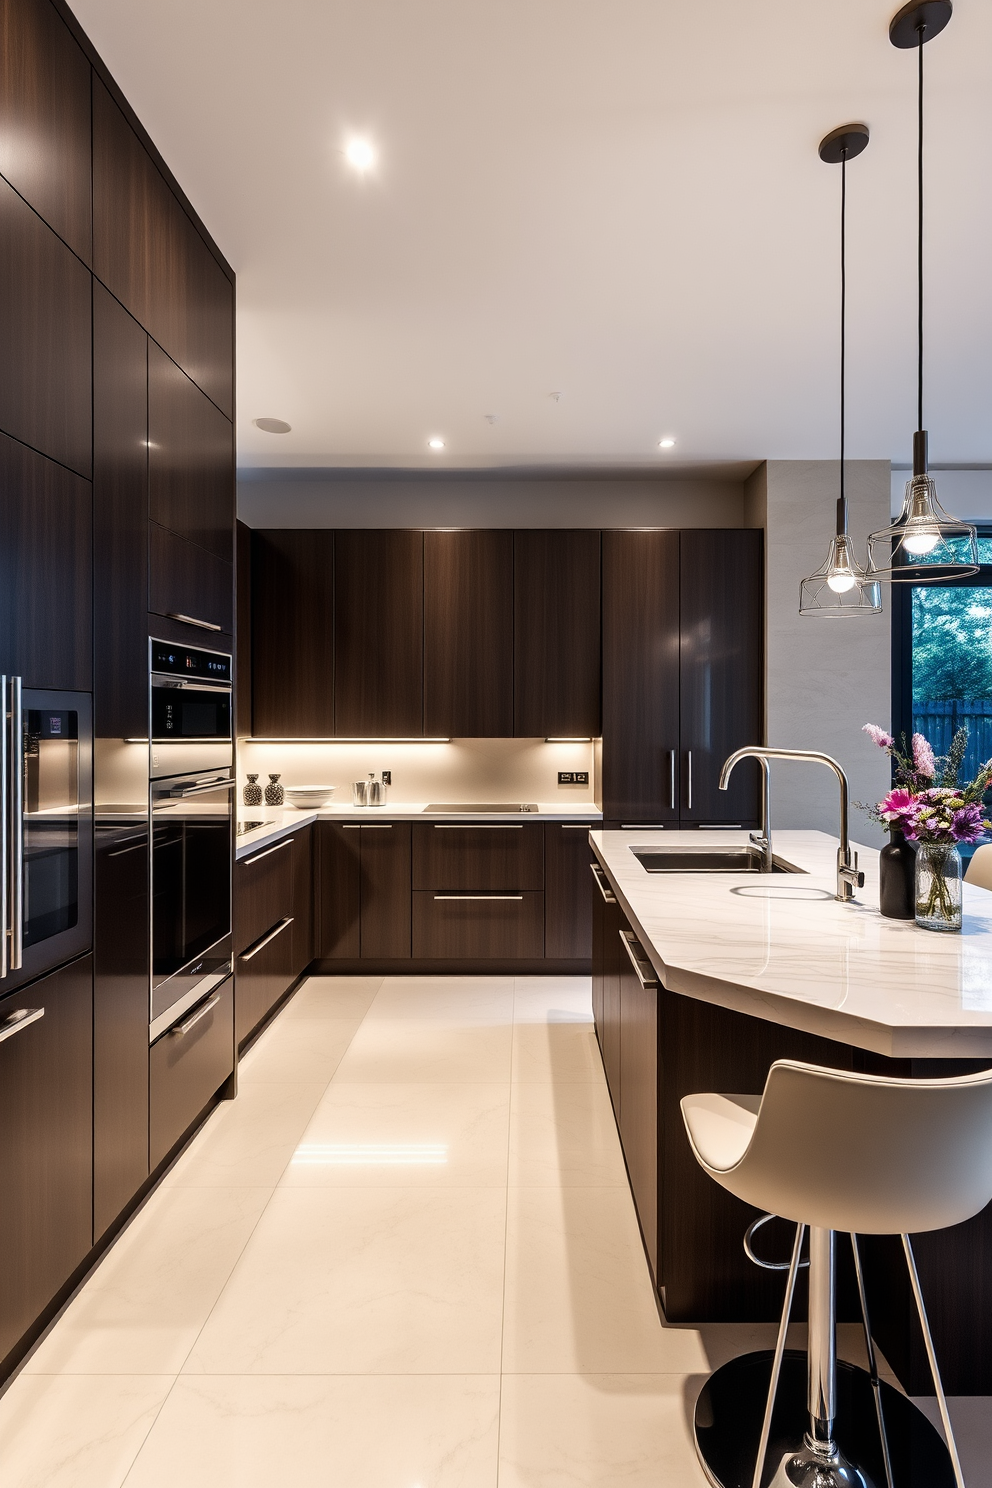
848,877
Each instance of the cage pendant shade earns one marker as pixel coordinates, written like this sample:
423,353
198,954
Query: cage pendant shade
925,544
840,589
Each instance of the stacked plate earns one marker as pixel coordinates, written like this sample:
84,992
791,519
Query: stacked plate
309,797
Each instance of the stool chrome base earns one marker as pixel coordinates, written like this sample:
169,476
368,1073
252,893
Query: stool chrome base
731,1406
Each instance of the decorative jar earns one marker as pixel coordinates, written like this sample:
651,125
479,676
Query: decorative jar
938,886
252,792
274,793
897,878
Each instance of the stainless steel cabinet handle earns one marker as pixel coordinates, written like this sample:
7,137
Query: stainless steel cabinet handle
598,875
199,790
688,765
192,620
181,1029
256,857
134,847
650,984
502,898
376,827
478,826
261,944
4,834
671,778
16,827
351,827
14,1022
578,826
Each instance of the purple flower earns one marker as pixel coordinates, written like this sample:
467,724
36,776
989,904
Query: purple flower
967,823
923,757
878,736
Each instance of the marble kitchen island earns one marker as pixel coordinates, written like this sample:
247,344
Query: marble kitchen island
749,968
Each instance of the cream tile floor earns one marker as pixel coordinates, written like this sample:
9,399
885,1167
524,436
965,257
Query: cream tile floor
405,1257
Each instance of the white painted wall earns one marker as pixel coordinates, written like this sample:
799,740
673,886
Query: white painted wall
824,678
415,499
964,493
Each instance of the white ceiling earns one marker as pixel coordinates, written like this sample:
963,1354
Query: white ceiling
619,201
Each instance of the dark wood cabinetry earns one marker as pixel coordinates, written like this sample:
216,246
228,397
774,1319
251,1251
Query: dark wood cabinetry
187,583
568,890
378,634
120,1020
292,641
468,634
45,327
186,1068
45,571
339,891
466,855
640,676
46,1157
303,887
385,873
272,926
45,119
556,634
478,926
150,256
607,921
639,1071
720,668
190,459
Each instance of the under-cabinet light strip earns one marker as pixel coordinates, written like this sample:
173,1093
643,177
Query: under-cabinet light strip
337,739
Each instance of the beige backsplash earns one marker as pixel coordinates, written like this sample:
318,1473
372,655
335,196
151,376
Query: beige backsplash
460,770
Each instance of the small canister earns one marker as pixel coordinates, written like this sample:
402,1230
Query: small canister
359,793
374,794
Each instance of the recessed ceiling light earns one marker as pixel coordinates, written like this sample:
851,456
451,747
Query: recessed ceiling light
360,154
272,425
436,443
666,443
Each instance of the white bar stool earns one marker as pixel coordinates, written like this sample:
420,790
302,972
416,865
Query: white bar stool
836,1151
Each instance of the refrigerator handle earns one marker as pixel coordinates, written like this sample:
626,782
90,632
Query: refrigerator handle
16,767
4,832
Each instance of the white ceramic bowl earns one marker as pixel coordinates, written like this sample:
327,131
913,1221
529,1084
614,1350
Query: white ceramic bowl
308,797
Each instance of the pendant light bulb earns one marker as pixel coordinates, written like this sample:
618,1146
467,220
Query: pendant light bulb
840,587
921,542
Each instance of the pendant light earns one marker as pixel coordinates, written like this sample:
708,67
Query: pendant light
840,588
923,530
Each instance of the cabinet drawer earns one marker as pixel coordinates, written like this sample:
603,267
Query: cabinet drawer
186,1066
478,926
263,890
263,973
497,856
188,583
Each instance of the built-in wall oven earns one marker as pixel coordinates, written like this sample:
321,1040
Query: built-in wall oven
46,824
192,824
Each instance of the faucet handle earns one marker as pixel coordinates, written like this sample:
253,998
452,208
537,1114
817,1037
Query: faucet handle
851,874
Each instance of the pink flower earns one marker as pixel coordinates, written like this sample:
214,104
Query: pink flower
878,736
923,757
897,806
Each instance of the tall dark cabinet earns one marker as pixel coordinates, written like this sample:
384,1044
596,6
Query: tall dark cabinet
468,634
556,631
292,634
378,634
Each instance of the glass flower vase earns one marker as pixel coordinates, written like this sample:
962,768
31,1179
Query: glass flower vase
938,886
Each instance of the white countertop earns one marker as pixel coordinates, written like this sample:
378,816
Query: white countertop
277,823
781,947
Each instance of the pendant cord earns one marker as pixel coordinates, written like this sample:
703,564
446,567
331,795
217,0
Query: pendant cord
842,503
919,382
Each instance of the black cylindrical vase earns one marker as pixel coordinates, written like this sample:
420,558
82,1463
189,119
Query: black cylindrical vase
896,878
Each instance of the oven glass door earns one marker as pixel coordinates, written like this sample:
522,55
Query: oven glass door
189,710
191,884
50,832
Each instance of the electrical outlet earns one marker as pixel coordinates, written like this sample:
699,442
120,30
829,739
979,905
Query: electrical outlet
387,777
573,777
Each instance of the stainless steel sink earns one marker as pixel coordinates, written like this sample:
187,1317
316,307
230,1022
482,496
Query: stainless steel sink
743,859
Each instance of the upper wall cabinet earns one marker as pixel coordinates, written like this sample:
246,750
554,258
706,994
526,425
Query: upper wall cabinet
292,634
190,459
45,331
468,634
45,118
148,253
720,663
556,634
45,577
378,634
641,676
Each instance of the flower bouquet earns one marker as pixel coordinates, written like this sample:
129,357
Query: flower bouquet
929,806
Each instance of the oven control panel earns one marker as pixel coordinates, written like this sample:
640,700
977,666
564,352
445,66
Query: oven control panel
184,661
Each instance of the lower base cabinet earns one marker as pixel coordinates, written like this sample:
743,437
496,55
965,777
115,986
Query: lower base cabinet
476,926
639,1071
188,1065
263,973
607,920
567,889
273,926
46,1155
